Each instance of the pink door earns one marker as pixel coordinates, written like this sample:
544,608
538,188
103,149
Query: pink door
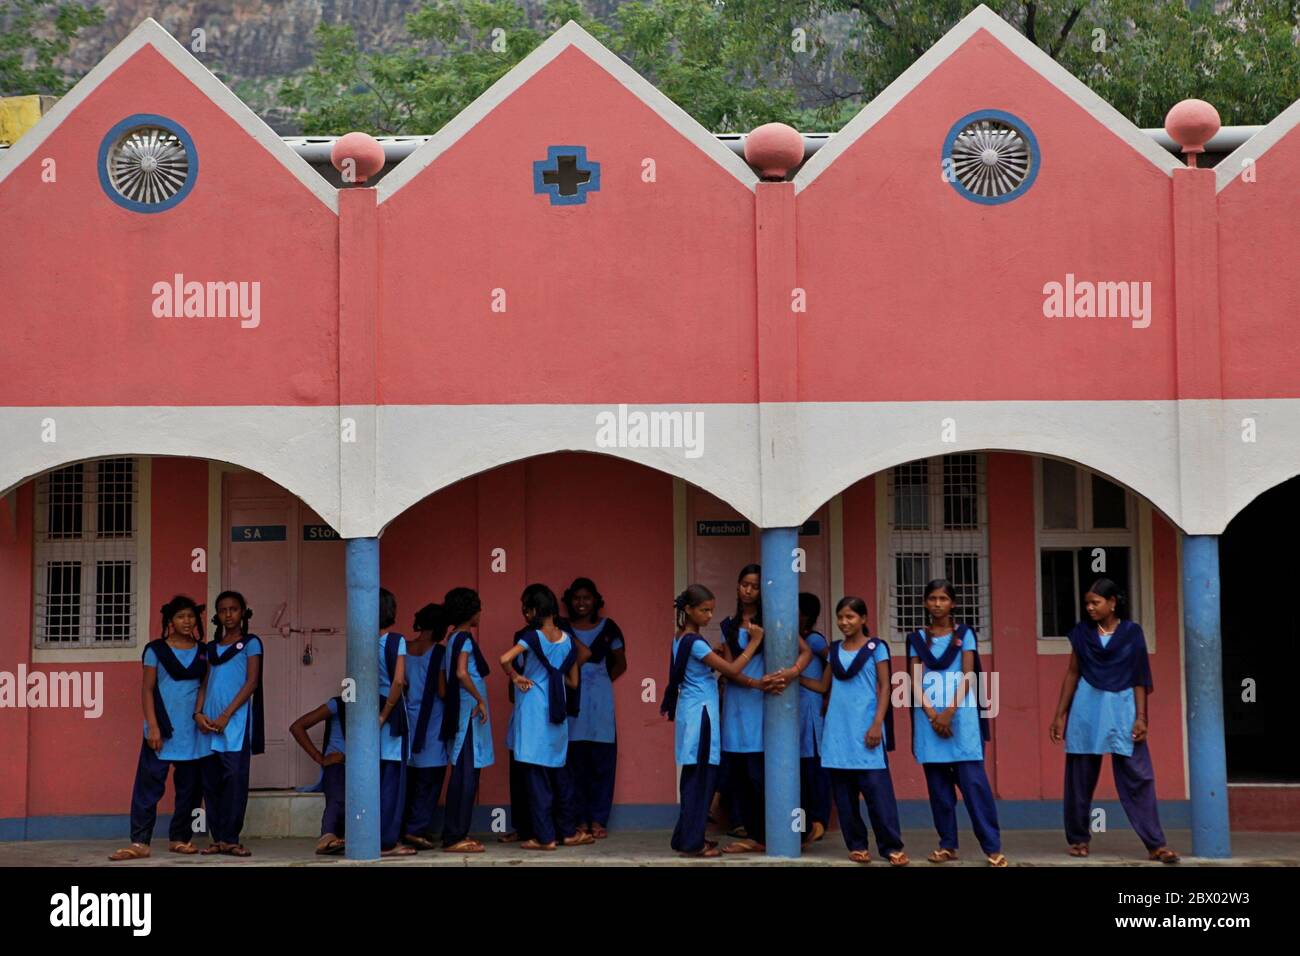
721,542
289,566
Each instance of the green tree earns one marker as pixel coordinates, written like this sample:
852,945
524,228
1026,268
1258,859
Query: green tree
32,34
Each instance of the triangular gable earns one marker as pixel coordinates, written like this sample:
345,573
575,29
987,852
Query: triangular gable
1230,167
150,33
982,18
569,35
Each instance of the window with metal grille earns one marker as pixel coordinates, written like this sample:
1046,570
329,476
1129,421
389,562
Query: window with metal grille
1086,530
86,555
938,528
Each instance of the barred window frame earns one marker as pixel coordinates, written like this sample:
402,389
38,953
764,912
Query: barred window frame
934,543
97,556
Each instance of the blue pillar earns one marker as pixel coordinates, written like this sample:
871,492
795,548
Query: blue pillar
781,711
361,768
1203,660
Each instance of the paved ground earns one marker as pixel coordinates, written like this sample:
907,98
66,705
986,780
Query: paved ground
650,848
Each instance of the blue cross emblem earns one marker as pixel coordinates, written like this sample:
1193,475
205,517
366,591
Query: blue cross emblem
566,175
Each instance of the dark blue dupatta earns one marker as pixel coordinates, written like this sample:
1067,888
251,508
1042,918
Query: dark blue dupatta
451,705
178,672
218,656
865,653
437,654
677,674
561,700
1121,664
963,639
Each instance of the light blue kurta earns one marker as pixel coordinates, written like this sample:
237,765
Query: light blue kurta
224,683
595,720
187,742
940,689
483,753
742,708
697,695
419,681
810,702
390,747
537,740
1100,721
850,713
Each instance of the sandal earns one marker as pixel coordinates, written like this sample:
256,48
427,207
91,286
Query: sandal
534,845
212,849
465,846
860,856
184,849
744,846
1165,855
1078,849
942,855
237,849
706,853
136,851
398,850
998,860
898,858
419,842
511,837
581,838
329,845
599,832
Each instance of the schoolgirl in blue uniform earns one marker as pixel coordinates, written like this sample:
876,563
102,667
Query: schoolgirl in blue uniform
948,733
814,780
427,767
394,735
544,697
857,733
521,813
466,725
333,713
691,702
230,705
1103,709
593,747
742,709
174,666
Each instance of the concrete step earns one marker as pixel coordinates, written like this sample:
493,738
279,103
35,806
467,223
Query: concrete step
283,813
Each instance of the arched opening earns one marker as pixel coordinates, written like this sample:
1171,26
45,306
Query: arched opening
1255,623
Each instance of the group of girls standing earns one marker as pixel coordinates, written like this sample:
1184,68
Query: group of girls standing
203,720
846,723
434,713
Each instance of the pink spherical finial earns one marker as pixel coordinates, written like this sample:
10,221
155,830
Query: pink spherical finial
1191,124
358,156
774,149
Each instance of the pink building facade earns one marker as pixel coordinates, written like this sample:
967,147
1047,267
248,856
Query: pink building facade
227,382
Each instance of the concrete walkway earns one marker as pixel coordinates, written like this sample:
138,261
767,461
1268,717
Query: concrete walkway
650,848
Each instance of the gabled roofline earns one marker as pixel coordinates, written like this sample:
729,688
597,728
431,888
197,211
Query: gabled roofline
982,18
1230,167
569,35
151,33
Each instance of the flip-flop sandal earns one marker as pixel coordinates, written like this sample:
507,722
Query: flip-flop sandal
511,837
860,856
238,850
332,848
898,858
534,845
419,842
398,850
213,849
184,849
942,855
743,846
1165,855
998,860
708,853
599,832
579,839
1078,849
136,851
465,846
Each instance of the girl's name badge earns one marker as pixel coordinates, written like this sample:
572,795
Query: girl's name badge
239,645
